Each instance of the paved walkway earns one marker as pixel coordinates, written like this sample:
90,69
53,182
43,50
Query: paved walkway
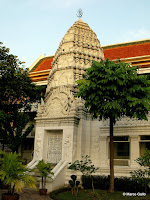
28,194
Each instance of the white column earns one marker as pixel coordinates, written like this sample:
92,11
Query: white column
38,143
103,151
67,143
134,150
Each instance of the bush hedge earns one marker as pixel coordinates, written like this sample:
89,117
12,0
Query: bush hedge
124,184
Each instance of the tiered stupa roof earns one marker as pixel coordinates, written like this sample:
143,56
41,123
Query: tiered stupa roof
80,41
75,53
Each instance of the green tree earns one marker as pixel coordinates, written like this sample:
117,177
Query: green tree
17,93
85,166
142,175
112,90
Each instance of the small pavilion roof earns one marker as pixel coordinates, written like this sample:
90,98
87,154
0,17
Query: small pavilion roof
44,65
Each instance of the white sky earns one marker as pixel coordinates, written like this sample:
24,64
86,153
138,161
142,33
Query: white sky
33,27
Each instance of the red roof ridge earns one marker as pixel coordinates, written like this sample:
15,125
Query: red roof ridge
126,43
127,51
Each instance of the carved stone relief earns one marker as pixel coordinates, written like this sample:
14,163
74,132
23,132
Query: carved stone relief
65,61
66,78
59,103
67,47
74,145
96,144
63,77
67,145
54,151
38,145
126,121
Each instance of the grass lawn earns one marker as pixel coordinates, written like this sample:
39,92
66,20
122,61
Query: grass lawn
101,194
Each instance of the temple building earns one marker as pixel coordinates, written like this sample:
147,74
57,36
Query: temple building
137,53
64,130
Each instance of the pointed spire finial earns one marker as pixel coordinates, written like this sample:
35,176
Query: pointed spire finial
79,13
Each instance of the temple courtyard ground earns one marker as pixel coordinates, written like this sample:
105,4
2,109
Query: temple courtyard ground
29,194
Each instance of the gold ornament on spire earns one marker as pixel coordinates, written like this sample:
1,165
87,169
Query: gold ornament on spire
79,13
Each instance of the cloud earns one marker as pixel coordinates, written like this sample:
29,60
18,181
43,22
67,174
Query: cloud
135,35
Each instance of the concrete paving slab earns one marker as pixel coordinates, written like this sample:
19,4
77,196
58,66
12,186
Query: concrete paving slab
29,194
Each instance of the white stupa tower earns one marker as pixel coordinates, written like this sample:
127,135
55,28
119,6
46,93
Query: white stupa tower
63,125
75,53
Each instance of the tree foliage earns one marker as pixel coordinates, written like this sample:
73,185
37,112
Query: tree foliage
113,90
17,93
85,166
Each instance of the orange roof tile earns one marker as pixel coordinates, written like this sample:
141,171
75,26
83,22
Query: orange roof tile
41,79
44,65
127,51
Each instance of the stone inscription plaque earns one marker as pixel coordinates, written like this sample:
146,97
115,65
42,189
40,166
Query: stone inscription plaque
54,153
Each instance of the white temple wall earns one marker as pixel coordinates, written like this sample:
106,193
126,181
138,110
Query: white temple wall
134,150
55,142
84,136
134,130
81,130
91,137
38,142
95,141
88,139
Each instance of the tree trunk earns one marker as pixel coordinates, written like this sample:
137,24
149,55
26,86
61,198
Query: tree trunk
13,189
92,184
42,183
111,186
146,187
3,147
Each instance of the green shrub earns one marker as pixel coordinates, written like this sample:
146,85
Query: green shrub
142,175
127,185
100,182
85,166
14,174
45,170
124,184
